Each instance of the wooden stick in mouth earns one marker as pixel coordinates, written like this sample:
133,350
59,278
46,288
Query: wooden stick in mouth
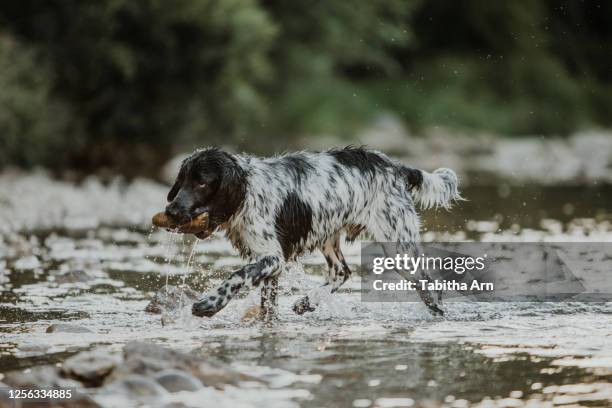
197,225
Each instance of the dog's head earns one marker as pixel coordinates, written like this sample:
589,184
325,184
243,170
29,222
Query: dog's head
210,180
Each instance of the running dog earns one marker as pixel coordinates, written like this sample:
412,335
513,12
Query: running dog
273,210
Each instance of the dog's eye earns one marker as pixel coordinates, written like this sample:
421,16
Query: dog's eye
201,181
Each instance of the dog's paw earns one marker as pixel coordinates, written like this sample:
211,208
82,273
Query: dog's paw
206,307
303,305
436,310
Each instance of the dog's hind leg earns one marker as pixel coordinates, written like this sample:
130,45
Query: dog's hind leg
397,223
250,275
269,301
431,300
342,272
338,272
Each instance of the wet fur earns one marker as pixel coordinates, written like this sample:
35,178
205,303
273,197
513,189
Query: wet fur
273,210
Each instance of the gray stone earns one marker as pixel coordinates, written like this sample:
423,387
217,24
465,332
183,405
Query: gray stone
91,367
5,400
146,372
80,401
148,359
67,328
33,347
169,298
76,276
176,405
137,386
43,376
175,381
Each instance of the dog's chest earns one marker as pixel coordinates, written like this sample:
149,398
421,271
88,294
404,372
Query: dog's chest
252,239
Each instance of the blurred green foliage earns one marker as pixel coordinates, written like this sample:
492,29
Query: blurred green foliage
88,84
33,124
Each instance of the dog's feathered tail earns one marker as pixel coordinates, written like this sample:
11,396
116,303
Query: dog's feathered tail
437,189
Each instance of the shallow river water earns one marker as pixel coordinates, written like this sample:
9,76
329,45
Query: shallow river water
348,352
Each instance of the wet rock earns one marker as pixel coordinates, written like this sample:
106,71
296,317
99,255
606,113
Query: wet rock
303,305
67,328
77,276
136,386
149,359
5,400
91,367
146,372
170,298
80,401
32,348
27,263
175,381
4,272
36,377
15,245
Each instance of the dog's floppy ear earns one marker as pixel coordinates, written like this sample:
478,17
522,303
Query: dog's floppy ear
233,183
174,190
232,190
179,181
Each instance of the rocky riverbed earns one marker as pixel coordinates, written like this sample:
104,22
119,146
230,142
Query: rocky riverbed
80,306
140,374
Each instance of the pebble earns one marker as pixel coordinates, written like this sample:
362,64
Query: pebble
67,328
137,386
175,381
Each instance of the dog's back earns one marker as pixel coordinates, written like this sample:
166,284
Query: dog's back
297,202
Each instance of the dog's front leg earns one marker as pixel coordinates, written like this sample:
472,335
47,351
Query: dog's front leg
269,302
250,275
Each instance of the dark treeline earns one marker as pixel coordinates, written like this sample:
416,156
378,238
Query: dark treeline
110,82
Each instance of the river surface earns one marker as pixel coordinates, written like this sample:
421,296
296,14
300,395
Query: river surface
348,352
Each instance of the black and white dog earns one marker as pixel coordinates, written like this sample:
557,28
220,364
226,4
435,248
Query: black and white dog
275,209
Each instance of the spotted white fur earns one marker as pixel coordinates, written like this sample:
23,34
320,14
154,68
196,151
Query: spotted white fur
300,202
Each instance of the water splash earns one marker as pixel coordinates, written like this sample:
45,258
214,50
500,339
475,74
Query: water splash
187,270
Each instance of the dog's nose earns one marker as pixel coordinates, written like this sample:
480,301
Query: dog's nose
172,211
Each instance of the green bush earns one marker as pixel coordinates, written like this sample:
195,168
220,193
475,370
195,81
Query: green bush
322,50
123,82
33,125
152,72
507,97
